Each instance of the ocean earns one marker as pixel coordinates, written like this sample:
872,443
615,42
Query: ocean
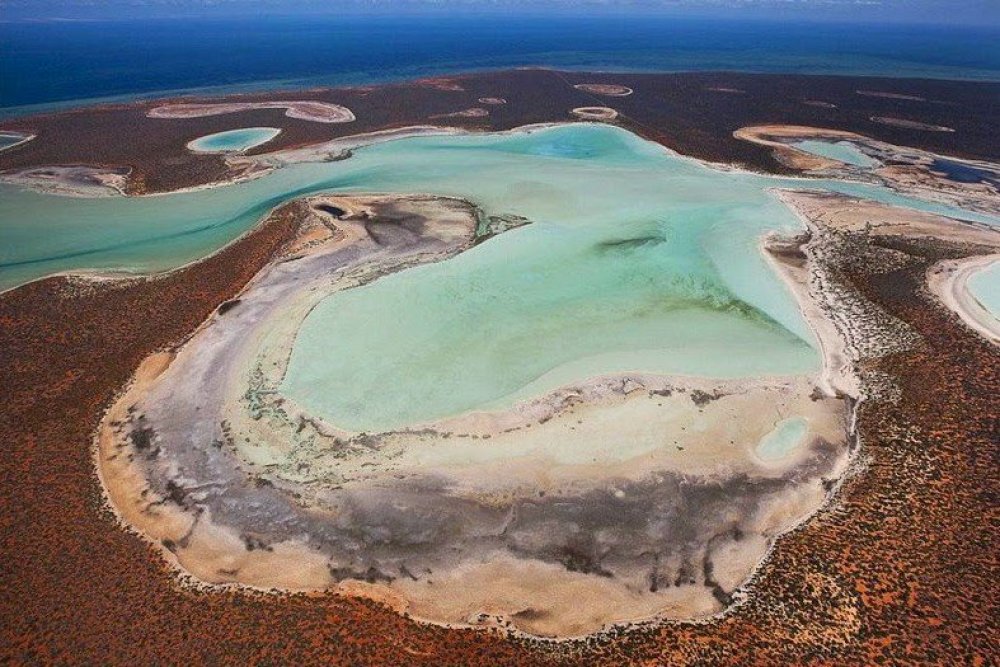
50,65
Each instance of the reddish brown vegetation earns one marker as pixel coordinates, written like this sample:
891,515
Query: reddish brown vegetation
681,111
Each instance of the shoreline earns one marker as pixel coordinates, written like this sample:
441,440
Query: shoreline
948,282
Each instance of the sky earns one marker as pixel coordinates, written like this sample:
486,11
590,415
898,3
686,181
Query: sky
971,12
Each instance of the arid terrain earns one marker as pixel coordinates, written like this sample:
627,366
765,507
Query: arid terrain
896,567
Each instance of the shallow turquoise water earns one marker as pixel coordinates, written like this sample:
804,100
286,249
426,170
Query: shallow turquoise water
234,141
638,260
844,151
985,286
782,441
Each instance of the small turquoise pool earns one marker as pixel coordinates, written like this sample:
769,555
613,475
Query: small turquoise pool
234,141
844,151
783,440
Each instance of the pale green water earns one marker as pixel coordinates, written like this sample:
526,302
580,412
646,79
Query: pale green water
234,141
844,151
782,441
637,260
985,286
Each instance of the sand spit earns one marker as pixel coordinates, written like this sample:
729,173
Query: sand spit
910,124
318,112
595,113
474,112
948,281
891,96
440,83
609,89
525,518
18,137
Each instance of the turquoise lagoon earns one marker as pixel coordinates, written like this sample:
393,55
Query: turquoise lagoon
844,151
234,141
637,260
985,287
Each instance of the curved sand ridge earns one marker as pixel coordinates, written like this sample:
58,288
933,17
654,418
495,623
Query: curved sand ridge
910,124
595,113
318,112
617,498
609,89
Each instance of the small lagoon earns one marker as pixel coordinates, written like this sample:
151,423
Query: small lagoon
842,151
234,141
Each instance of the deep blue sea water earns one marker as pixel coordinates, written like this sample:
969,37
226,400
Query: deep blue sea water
56,62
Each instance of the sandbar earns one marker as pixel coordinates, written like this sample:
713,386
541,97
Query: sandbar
318,112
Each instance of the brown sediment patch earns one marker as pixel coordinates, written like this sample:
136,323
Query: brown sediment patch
891,96
474,112
910,124
492,100
595,113
609,89
317,112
